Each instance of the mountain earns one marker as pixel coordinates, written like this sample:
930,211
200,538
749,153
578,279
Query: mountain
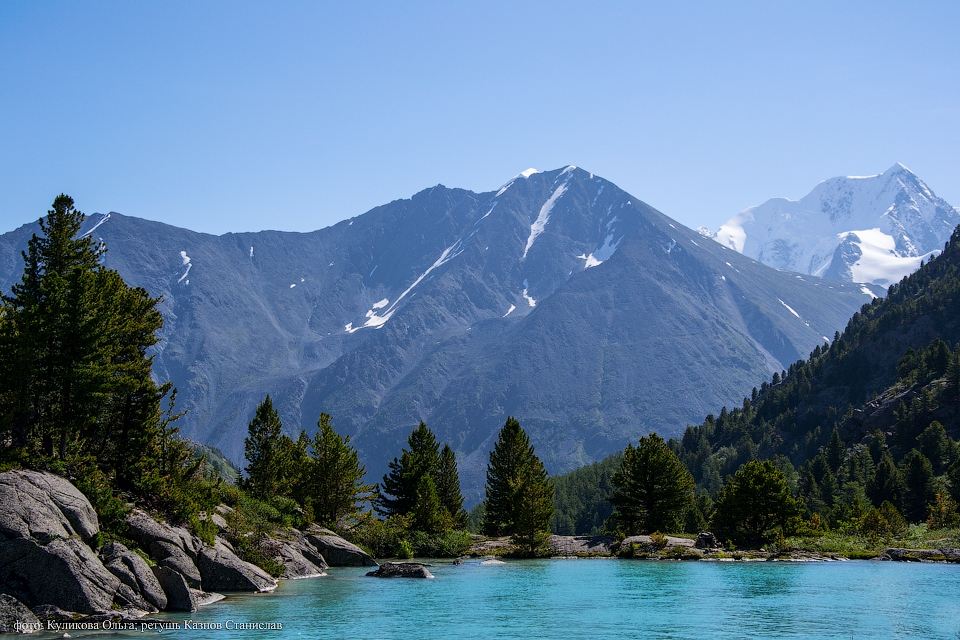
874,229
558,299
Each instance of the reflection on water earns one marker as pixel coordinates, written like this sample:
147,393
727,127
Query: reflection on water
604,598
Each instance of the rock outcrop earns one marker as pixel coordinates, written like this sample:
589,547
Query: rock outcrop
179,596
133,571
44,506
337,551
221,570
581,545
401,570
64,573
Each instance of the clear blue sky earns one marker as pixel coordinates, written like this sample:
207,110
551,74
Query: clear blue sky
236,116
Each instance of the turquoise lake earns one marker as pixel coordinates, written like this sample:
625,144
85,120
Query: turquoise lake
605,598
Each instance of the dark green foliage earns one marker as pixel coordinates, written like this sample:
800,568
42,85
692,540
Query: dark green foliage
448,488
332,479
937,447
76,391
887,484
920,489
755,505
398,490
581,498
519,496
264,451
652,489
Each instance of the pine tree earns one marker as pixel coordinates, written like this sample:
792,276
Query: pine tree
652,488
448,488
403,479
263,449
334,480
519,496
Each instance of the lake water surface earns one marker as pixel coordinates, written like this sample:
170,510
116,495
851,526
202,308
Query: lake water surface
606,598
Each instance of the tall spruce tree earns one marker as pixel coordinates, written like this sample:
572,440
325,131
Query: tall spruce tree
397,494
264,451
519,495
652,489
754,503
335,487
448,488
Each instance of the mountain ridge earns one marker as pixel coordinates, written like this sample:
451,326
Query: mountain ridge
559,299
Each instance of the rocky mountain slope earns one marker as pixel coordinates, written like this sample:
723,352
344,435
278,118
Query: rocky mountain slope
858,229
558,299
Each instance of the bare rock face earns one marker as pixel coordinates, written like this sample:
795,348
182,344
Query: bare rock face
64,573
221,570
401,570
44,506
133,571
337,551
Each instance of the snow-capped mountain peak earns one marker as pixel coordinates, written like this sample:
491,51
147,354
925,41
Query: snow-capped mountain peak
873,229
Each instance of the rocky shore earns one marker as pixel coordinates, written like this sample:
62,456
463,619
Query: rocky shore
703,548
51,569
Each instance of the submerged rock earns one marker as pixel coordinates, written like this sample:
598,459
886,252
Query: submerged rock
401,570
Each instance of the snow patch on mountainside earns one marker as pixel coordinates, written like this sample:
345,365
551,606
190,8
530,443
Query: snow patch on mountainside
873,229
186,261
544,216
103,218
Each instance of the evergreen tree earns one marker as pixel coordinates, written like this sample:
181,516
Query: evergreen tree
403,479
334,480
264,451
519,496
652,489
920,488
448,488
428,514
75,378
836,452
887,484
754,503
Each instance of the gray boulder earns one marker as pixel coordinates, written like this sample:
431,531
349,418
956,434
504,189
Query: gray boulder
295,564
43,506
15,617
337,551
145,531
133,571
64,573
221,570
179,596
170,555
706,540
401,570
